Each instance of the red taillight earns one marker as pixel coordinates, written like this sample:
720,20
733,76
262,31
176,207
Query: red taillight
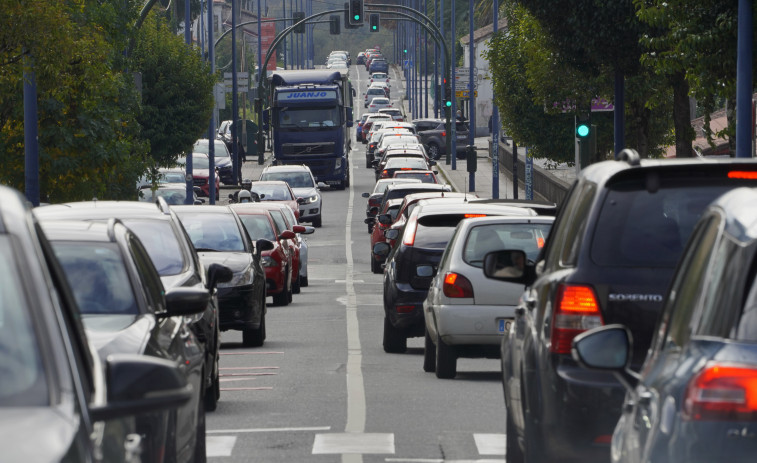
722,393
404,308
444,134
456,285
540,242
471,216
576,310
742,174
384,173
408,239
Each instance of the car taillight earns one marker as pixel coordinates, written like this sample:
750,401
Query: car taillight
456,285
408,238
576,310
444,134
722,393
384,173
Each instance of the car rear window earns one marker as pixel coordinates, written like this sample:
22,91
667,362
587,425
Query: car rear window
649,227
483,239
435,231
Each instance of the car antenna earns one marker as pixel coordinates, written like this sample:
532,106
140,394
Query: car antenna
465,190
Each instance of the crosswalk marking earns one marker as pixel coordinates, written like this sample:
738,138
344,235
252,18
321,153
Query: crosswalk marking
219,446
490,444
353,443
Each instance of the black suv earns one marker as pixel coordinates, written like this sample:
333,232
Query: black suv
419,248
433,134
172,253
609,259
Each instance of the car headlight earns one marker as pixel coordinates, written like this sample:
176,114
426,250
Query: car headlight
311,199
269,261
239,279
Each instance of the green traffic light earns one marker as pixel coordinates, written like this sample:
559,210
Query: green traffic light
357,17
448,104
582,130
405,50
374,28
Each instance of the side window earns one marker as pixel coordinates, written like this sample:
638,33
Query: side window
687,284
576,226
278,218
148,276
746,330
723,291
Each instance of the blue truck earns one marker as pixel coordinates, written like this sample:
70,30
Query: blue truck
308,116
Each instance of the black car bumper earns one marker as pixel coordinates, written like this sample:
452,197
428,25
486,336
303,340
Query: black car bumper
404,308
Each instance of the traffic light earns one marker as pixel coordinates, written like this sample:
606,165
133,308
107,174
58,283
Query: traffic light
583,125
374,22
347,23
298,16
447,94
334,24
356,12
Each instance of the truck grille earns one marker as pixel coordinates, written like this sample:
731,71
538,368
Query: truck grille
307,149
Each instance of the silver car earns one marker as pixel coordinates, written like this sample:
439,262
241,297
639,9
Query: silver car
465,312
304,186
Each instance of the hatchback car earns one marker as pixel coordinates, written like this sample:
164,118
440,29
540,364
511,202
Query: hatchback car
369,123
221,158
279,191
465,312
126,310
379,103
277,262
396,114
694,395
384,219
219,237
79,407
374,197
402,163
609,259
304,187
425,176
413,261
372,93
163,236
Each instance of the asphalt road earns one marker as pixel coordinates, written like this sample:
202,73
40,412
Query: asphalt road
322,389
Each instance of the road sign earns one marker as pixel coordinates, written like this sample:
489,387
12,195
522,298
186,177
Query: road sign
465,94
243,80
465,71
465,85
597,105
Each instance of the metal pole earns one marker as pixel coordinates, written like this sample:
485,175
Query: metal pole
424,55
471,94
619,113
744,80
260,48
452,64
31,140
515,170
189,183
212,125
436,66
495,119
234,101
284,9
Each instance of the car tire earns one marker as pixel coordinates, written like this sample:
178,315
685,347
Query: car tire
317,222
200,453
296,285
213,392
395,341
368,163
513,452
252,337
303,281
340,185
375,265
446,360
281,299
429,354
433,151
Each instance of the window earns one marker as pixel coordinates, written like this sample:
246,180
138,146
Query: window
161,242
257,226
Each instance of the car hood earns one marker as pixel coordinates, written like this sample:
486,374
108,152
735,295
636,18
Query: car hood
223,162
118,334
304,192
49,427
236,261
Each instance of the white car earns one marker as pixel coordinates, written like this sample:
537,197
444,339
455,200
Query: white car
379,103
380,77
305,188
466,313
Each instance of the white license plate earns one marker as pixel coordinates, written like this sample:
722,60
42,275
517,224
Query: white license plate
504,324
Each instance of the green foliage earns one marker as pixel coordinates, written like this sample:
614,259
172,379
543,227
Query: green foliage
88,135
177,91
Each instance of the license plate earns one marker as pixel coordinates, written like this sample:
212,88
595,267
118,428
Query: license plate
504,324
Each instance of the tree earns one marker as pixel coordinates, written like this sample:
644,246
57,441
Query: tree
88,135
177,91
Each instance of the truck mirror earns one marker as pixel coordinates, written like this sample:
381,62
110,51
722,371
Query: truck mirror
349,117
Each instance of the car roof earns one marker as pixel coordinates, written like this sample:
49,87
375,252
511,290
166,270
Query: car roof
432,207
99,210
288,168
80,230
541,207
419,186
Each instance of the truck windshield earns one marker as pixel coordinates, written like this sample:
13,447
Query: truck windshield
310,118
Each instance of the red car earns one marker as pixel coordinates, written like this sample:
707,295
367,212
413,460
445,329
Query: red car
277,262
201,172
384,220
277,190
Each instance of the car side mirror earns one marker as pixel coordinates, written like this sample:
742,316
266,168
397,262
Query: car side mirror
263,245
323,185
385,219
509,265
366,195
373,211
287,235
185,301
392,234
381,249
300,200
607,348
218,273
298,229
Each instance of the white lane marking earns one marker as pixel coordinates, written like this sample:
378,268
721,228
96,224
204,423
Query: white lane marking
219,446
355,387
345,281
257,430
438,460
490,444
353,444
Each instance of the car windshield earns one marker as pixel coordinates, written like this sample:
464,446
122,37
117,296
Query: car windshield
202,146
257,226
305,118
294,179
213,231
98,277
161,243
483,239
272,192
171,195
200,162
23,382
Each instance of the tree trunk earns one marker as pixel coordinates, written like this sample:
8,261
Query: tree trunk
681,110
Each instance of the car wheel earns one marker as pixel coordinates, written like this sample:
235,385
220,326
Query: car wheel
303,281
200,453
368,163
433,151
213,392
282,298
513,452
375,265
395,341
446,360
429,354
317,222
296,285
340,185
252,337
